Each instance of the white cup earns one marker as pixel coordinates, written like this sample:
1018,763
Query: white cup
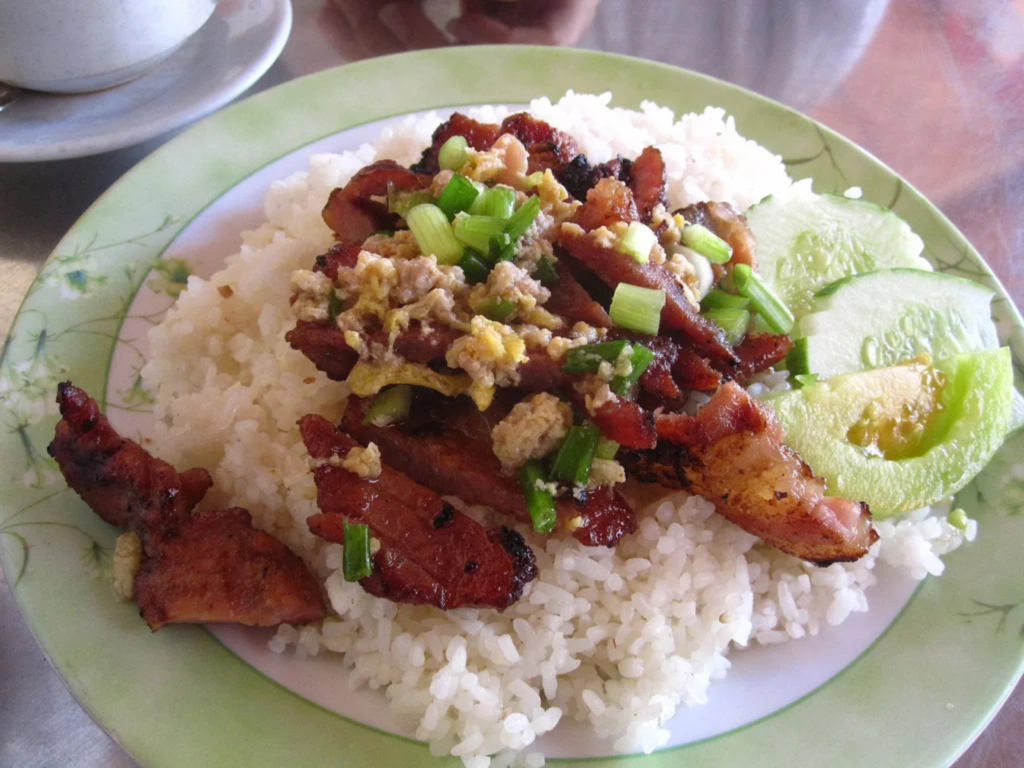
71,46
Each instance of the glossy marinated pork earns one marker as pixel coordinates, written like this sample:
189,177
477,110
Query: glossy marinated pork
733,453
442,448
203,567
430,553
353,213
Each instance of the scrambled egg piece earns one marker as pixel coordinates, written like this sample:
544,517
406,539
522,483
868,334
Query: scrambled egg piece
401,245
314,291
368,379
364,462
531,430
127,559
606,472
489,353
554,199
505,162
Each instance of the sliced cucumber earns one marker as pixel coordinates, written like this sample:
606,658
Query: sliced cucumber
883,318
806,241
901,437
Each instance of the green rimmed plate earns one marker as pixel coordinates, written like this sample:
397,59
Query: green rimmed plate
913,690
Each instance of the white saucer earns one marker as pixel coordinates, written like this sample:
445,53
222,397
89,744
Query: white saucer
224,58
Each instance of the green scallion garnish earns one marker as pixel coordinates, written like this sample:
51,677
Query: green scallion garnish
433,234
733,321
474,267
588,358
539,500
768,305
545,272
575,457
334,305
453,153
636,308
522,219
400,201
706,243
458,195
639,360
498,310
805,379
716,298
606,449
638,242
478,232
389,406
357,562
495,201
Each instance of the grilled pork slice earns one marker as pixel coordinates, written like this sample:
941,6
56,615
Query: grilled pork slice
205,567
578,176
757,352
430,553
648,182
613,268
446,454
221,569
353,213
548,147
609,202
118,478
730,225
732,452
479,136
324,344
571,302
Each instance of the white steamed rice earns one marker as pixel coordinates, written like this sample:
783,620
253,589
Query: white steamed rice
620,638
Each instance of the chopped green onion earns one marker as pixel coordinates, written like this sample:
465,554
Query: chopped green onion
400,201
733,321
806,379
798,359
356,560
638,241
606,449
474,266
506,247
496,201
716,298
498,310
453,153
434,234
958,519
521,220
539,500
545,272
334,306
478,232
575,457
389,406
767,304
706,243
458,195
639,360
588,358
636,308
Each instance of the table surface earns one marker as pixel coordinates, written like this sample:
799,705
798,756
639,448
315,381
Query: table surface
934,88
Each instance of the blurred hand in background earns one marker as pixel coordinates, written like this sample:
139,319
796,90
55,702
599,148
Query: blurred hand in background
379,28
